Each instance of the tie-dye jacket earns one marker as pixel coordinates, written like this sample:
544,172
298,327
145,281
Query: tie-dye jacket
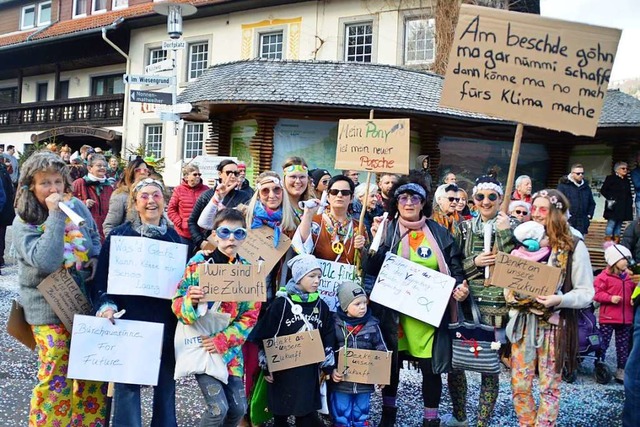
244,315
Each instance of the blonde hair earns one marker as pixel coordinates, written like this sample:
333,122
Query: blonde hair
187,169
288,221
296,160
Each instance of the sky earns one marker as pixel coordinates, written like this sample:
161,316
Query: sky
623,14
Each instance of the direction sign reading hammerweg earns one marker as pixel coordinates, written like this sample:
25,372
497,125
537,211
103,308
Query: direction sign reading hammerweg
151,97
167,64
139,79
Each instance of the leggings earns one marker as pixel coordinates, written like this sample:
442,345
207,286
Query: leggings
489,387
623,341
309,420
431,383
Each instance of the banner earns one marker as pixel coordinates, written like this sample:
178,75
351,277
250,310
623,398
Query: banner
334,273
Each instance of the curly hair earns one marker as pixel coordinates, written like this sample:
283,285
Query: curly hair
416,178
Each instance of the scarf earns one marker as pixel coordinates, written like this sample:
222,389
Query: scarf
298,295
97,183
265,216
574,181
448,221
407,226
350,322
149,230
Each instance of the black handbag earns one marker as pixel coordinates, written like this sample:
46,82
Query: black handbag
474,345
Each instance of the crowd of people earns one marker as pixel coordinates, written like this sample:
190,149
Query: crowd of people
434,224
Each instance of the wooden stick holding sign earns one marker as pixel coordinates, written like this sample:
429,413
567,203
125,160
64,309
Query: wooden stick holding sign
290,351
232,282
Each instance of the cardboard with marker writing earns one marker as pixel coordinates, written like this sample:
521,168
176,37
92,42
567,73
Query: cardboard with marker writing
258,248
232,282
64,296
290,351
365,366
525,277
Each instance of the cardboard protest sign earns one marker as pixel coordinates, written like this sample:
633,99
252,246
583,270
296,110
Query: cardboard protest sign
64,296
127,352
146,267
334,273
365,366
412,289
232,282
523,276
380,145
258,248
293,350
533,70
208,165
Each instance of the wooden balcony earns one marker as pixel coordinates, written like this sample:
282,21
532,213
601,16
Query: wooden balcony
90,111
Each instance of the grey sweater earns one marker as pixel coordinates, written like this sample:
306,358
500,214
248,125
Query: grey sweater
117,213
40,254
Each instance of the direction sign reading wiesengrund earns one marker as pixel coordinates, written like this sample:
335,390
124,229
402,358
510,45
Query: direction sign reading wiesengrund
147,80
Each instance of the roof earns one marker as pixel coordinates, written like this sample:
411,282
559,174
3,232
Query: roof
351,84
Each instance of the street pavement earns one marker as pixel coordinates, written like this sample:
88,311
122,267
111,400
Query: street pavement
583,403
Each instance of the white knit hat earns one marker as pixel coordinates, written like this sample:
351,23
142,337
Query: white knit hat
529,230
615,253
301,265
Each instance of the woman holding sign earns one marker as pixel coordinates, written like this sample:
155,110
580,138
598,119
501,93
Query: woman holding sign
46,240
146,207
544,331
414,237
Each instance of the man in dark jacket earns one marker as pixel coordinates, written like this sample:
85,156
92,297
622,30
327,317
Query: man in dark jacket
581,203
7,213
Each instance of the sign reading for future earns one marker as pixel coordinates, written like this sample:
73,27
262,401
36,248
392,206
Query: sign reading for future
537,71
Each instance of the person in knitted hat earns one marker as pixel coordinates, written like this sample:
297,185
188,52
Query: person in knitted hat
355,327
320,180
614,288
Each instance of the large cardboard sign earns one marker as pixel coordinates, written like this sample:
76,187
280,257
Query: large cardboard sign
232,282
380,145
365,366
127,352
533,70
334,273
64,296
146,267
208,165
290,351
525,277
258,248
412,289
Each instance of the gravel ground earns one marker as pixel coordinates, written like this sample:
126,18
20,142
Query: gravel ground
583,403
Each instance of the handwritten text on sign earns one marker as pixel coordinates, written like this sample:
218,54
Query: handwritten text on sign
127,352
334,273
64,296
525,277
147,267
413,290
290,351
232,282
258,247
373,145
365,366
522,67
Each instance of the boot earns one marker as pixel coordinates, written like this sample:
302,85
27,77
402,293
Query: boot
431,423
389,414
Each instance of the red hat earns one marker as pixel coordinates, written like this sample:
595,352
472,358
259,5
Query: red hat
242,165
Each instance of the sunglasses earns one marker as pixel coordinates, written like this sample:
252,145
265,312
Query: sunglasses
520,212
234,173
146,196
196,174
138,170
405,198
623,168
453,199
542,209
335,192
265,191
324,181
480,197
225,233
579,173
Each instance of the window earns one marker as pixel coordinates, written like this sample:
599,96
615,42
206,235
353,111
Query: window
8,95
79,7
44,13
28,17
271,45
41,91
358,42
193,140
419,40
107,85
63,92
99,5
157,55
119,4
198,59
153,140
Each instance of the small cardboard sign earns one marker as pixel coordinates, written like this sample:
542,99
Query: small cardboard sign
125,352
232,282
365,366
64,296
290,351
380,145
258,248
333,274
525,277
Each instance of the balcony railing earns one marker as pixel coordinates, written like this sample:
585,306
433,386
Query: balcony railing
95,110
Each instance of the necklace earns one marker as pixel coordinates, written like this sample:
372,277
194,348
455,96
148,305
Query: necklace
339,229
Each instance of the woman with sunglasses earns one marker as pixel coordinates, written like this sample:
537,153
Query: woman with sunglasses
520,210
487,195
136,169
319,179
444,207
226,402
183,200
544,331
296,182
618,206
423,241
146,219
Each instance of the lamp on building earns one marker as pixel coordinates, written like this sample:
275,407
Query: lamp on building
174,13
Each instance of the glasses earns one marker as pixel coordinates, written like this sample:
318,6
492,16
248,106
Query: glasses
225,233
335,192
297,177
196,174
520,212
100,166
623,168
480,197
148,181
405,198
453,199
138,170
579,173
265,191
542,209
324,181
155,195
234,173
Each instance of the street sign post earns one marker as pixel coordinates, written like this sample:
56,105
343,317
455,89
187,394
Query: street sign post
168,116
166,65
173,44
147,80
151,97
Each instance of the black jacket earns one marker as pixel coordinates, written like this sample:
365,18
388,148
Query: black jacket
631,239
581,203
618,189
7,213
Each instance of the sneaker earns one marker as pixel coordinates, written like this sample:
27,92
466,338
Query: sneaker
620,376
450,421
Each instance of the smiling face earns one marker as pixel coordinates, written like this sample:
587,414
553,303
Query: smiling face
270,195
296,183
150,204
228,246
410,206
98,168
462,202
142,171
540,210
229,175
310,282
113,163
487,207
46,183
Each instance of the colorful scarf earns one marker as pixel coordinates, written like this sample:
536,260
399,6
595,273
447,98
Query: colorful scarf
97,183
407,226
265,216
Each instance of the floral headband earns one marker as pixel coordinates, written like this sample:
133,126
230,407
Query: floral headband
552,199
269,180
412,187
488,186
148,181
295,168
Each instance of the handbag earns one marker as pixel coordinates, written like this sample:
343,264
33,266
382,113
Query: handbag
474,345
610,204
18,327
259,403
191,357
